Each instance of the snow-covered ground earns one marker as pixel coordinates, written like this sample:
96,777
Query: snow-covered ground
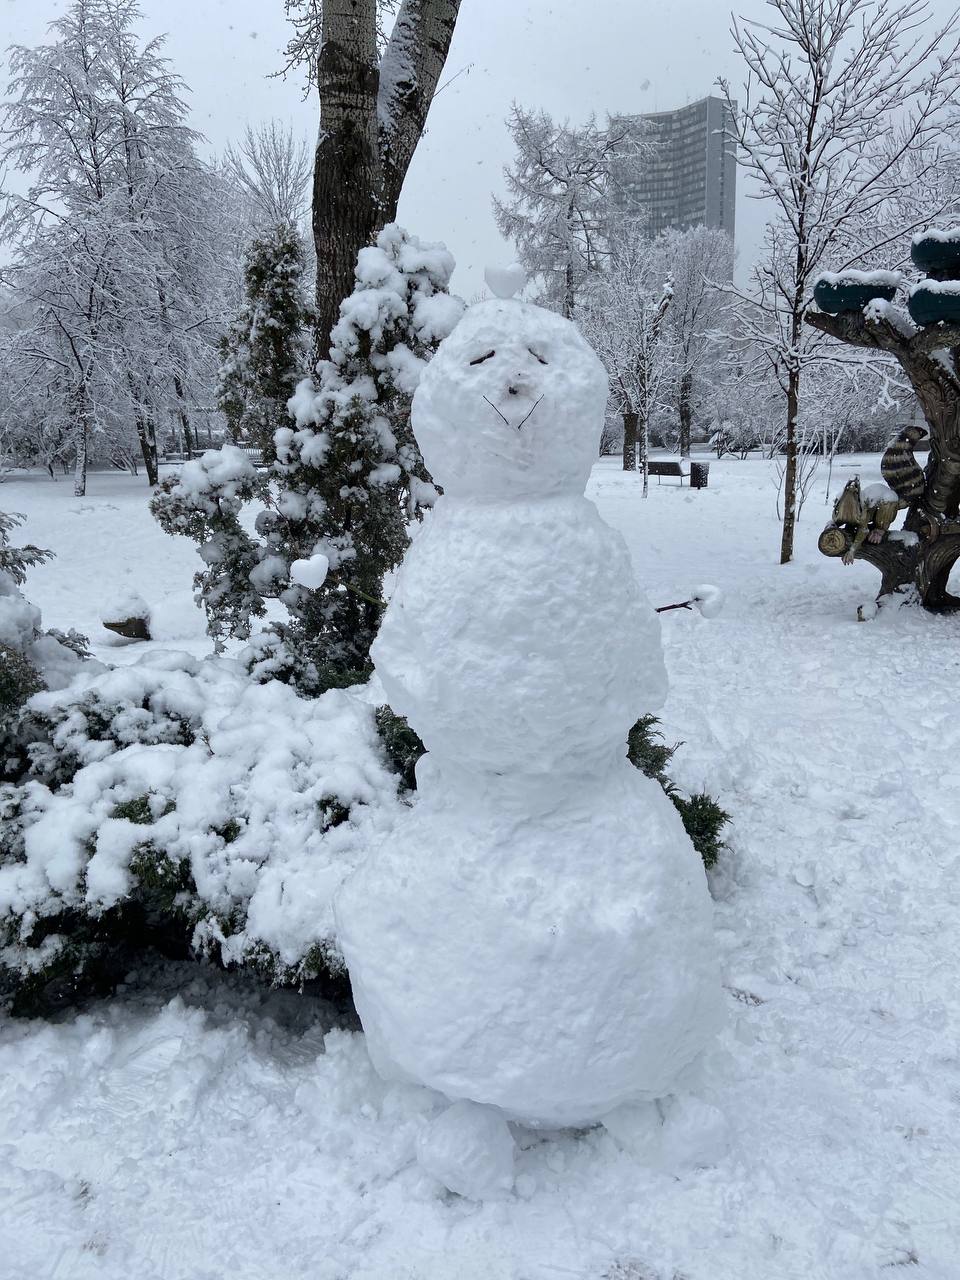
206,1129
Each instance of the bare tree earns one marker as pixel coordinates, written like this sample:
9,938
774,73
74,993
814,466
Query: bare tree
561,212
375,92
273,170
844,107
697,261
110,251
623,318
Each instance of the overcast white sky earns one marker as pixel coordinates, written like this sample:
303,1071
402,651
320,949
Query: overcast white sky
570,57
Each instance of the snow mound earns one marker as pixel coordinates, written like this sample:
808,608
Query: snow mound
20,630
879,492
265,800
123,604
708,600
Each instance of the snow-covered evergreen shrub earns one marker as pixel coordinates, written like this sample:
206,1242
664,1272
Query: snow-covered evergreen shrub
264,352
177,803
203,502
347,478
702,816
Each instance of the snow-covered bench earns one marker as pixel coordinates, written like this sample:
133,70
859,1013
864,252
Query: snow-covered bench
659,469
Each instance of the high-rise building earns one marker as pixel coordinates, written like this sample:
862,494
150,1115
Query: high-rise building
690,177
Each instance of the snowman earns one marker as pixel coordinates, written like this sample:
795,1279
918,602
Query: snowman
534,939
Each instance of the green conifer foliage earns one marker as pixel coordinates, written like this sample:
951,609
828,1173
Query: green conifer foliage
346,480
264,352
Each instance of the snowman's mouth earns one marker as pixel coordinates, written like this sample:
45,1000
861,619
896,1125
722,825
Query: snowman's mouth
506,420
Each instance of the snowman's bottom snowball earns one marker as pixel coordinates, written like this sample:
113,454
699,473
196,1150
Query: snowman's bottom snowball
554,967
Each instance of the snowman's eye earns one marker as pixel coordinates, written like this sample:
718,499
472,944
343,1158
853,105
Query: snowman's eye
480,359
536,355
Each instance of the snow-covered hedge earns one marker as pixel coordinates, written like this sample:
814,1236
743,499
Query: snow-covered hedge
176,801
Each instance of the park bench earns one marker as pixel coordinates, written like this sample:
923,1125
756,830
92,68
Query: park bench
659,469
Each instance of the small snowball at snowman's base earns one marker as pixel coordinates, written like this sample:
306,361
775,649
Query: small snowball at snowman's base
311,573
675,1134
636,1128
695,1135
868,611
469,1148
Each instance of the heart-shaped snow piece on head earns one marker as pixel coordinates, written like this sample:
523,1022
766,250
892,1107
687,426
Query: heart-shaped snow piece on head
504,282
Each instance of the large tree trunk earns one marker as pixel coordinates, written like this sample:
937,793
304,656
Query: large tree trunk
790,473
81,432
147,436
569,293
685,411
372,116
643,448
80,464
630,441
348,176
185,431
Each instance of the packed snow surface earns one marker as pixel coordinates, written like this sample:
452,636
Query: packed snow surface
469,1149
207,1128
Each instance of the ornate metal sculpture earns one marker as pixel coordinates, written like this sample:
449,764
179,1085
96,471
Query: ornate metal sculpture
919,557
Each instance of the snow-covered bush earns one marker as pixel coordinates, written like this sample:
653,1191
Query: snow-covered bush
177,803
30,658
347,478
264,352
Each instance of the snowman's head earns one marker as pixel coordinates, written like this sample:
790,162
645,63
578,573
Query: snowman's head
511,405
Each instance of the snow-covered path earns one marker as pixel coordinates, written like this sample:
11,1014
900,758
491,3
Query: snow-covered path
158,1138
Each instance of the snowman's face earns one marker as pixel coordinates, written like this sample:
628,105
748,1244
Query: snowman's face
511,405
